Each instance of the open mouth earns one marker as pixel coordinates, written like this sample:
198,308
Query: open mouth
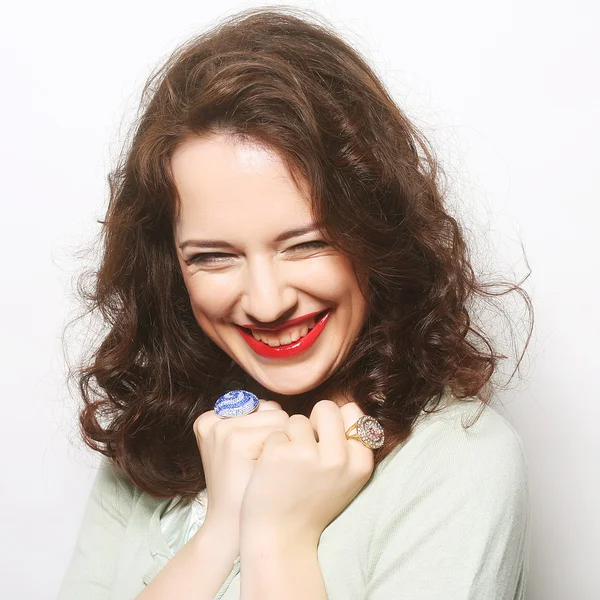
287,335
279,346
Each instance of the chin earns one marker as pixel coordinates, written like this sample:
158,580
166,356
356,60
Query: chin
285,388
289,390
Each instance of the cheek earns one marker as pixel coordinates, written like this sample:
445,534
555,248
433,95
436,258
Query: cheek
334,279
343,288
210,296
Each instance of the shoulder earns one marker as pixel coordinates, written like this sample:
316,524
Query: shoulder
449,508
468,432
111,477
466,446
113,491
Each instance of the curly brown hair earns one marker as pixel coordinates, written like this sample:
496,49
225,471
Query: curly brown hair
285,79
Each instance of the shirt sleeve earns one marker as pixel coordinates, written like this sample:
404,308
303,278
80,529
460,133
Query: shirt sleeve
90,572
455,526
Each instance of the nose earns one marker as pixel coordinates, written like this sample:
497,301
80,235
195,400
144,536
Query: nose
267,296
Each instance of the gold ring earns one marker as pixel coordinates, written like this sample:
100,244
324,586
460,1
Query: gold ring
369,432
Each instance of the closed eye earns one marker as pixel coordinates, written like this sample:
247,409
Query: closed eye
207,257
219,257
310,245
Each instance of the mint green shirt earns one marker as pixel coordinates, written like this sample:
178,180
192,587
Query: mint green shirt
444,517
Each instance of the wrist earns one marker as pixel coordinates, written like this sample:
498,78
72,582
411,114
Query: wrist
276,566
222,538
277,541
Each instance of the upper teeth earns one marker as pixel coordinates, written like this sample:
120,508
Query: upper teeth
285,336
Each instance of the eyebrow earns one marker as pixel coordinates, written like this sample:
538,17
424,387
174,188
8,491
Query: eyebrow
286,235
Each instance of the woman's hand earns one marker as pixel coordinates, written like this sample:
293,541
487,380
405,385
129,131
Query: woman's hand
300,484
229,449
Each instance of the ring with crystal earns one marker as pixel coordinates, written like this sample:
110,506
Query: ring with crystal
369,432
236,403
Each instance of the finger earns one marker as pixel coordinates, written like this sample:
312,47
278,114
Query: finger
326,419
274,439
211,416
299,429
268,405
351,412
265,413
253,440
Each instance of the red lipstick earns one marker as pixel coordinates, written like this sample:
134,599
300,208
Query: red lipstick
286,324
287,350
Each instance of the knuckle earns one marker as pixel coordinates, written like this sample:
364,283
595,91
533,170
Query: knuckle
202,425
277,419
281,415
294,419
268,405
325,405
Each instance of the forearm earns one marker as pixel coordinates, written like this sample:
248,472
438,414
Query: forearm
271,571
197,571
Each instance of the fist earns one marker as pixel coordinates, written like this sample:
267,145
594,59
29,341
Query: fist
306,475
229,449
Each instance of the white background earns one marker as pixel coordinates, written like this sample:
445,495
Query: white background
507,91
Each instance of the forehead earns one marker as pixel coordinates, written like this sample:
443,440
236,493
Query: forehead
235,187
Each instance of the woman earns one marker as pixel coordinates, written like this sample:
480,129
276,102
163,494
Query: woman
277,227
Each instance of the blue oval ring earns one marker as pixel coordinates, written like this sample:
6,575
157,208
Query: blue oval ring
236,403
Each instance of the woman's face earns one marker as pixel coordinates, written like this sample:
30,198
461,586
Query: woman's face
252,260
